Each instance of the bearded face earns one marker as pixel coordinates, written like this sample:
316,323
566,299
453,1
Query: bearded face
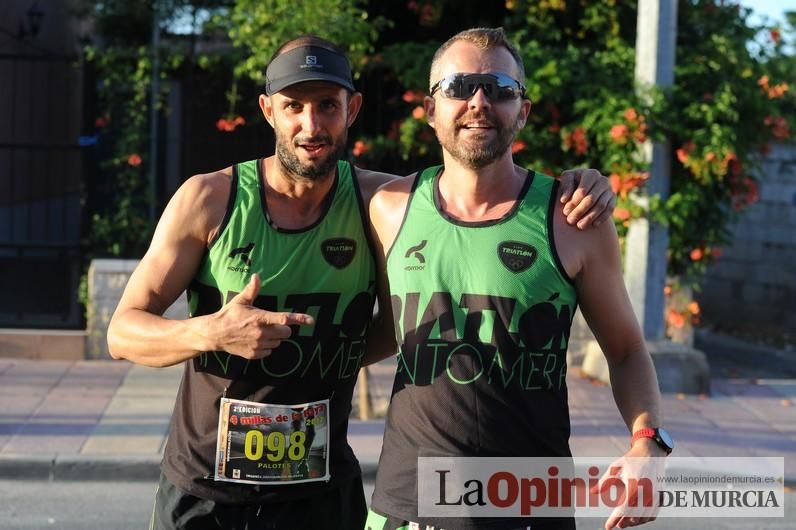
313,167
478,138
310,122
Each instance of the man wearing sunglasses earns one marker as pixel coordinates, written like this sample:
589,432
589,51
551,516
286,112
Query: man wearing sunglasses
484,276
276,259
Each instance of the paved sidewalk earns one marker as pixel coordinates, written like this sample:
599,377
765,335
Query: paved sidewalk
109,420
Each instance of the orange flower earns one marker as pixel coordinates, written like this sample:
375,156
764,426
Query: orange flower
711,156
693,307
667,290
616,182
577,140
630,114
641,133
134,160
229,125
360,148
696,254
418,113
684,151
763,82
619,133
623,214
413,96
517,146
633,181
675,319
777,91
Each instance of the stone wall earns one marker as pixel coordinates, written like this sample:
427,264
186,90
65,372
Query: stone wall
753,284
106,281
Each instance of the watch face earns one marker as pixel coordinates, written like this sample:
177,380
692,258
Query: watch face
665,438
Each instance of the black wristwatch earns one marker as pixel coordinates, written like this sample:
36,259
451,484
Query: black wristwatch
659,435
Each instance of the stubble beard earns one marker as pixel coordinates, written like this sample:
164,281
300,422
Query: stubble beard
478,155
318,170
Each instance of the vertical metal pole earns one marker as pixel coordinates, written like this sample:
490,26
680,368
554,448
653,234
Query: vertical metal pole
153,111
645,250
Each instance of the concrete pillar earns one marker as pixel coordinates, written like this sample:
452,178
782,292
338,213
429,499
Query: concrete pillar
645,248
680,368
107,279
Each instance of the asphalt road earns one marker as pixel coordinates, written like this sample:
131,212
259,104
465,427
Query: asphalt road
32,505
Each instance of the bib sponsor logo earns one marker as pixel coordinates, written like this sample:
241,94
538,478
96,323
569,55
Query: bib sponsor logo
516,256
415,253
339,252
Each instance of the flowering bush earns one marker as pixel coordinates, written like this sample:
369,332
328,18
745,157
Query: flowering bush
732,97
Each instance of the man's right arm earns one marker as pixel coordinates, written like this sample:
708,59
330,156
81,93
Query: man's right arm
138,332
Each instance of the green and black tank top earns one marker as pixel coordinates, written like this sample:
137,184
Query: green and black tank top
325,270
482,313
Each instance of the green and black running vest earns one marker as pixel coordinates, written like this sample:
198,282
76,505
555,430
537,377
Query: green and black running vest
325,270
482,312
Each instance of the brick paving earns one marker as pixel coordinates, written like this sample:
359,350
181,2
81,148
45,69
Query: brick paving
114,412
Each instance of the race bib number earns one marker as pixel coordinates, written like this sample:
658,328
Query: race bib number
260,443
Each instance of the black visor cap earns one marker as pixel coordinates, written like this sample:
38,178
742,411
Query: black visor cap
307,63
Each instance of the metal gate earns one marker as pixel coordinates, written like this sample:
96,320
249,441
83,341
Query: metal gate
41,181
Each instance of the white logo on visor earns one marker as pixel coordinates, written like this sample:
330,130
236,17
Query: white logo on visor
311,59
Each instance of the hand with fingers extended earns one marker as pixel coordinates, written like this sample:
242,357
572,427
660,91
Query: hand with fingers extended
587,197
241,329
634,476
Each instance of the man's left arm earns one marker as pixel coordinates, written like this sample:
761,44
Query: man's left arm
607,309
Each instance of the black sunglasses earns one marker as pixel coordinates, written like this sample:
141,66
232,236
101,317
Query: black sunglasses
497,87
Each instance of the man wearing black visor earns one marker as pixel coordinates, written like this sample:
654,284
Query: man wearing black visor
277,262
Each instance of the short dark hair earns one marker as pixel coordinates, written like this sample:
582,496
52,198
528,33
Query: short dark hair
483,38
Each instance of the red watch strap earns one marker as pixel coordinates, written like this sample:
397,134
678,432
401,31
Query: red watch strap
646,432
